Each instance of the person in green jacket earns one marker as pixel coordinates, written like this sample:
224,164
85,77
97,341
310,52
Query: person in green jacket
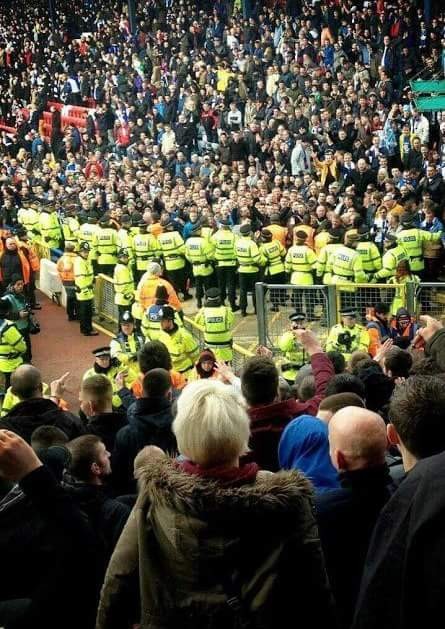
295,356
84,287
12,345
199,251
249,262
217,321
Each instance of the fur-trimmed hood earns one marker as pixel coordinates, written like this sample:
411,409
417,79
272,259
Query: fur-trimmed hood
164,483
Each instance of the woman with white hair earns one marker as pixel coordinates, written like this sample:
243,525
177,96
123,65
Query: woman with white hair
213,543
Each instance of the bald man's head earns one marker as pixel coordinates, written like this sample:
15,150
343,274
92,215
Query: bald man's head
357,439
26,382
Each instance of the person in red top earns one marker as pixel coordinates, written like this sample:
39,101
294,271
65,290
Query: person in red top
268,414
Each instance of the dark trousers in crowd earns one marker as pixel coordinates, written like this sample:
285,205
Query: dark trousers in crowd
85,309
106,269
202,284
178,278
71,303
226,283
30,291
7,378
247,283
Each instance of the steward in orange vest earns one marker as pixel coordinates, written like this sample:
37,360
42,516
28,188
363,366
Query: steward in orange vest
65,268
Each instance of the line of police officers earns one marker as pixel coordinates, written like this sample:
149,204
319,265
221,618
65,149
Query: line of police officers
221,259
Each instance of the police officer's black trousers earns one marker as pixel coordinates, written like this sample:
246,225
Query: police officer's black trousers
277,296
202,284
71,303
225,276
86,315
247,283
178,278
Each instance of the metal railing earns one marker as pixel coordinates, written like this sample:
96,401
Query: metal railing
275,302
430,299
322,305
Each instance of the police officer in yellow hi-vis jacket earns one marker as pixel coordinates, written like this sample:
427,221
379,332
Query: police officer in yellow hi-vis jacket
273,254
183,348
106,244
199,251
217,321
225,259
346,267
126,344
145,249
12,345
249,263
172,249
412,238
123,282
300,264
50,229
348,336
84,287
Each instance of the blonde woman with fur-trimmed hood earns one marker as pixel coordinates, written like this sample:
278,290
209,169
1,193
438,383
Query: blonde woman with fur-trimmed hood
212,542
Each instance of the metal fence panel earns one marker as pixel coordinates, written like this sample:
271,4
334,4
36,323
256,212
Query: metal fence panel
106,309
362,297
275,303
430,299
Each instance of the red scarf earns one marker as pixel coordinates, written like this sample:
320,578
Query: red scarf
231,477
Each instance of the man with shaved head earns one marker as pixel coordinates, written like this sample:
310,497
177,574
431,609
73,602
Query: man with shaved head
346,516
34,410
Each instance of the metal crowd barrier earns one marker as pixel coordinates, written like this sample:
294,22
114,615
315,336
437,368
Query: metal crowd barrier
322,305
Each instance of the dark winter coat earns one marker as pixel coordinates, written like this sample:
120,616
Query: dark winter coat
106,426
149,423
403,585
28,415
195,543
50,556
346,518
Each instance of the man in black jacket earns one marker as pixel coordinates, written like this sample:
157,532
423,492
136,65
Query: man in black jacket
52,563
90,468
346,516
96,402
149,423
34,410
403,583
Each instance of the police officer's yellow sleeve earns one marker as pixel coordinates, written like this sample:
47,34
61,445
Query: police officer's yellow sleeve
12,337
360,276
332,340
199,318
116,351
190,345
312,258
180,245
320,265
286,342
376,258
155,247
209,250
430,236
255,254
230,318
288,261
